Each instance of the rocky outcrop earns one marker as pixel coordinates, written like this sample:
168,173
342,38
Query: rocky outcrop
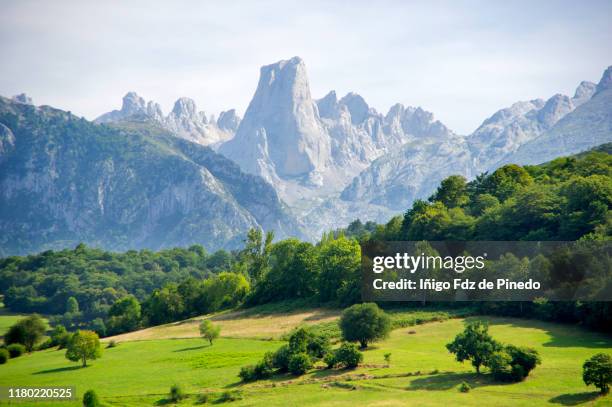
184,121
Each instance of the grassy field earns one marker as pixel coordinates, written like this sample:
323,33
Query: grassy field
422,372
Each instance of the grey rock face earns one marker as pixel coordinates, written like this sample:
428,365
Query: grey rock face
589,125
184,121
283,112
228,121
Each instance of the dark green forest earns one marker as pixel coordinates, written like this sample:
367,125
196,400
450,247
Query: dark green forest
567,199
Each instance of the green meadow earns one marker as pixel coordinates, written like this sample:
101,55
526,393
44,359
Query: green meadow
421,371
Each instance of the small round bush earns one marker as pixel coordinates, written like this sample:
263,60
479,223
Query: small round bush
247,373
15,350
4,356
176,393
299,363
464,387
348,355
111,344
90,399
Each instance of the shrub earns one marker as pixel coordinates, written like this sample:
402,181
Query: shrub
90,399
364,323
513,364
464,387
60,336
15,350
299,363
388,358
281,357
176,393
229,396
526,358
111,344
598,372
500,364
330,360
247,373
4,356
202,398
348,355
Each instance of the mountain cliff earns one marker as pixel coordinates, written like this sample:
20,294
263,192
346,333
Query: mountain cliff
65,180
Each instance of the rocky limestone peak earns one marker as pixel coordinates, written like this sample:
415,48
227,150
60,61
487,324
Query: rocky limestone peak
328,105
555,108
584,91
357,107
155,112
283,107
133,104
185,107
606,80
228,120
22,98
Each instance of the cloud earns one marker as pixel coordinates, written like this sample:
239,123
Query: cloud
460,59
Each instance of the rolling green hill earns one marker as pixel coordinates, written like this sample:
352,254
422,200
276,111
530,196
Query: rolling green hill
422,372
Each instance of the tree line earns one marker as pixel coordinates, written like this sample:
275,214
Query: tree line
567,199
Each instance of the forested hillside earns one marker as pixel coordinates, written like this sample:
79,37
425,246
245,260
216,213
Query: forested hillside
566,199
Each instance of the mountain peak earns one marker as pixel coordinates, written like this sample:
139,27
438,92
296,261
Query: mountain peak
22,98
228,120
185,107
555,108
133,104
328,105
606,80
357,107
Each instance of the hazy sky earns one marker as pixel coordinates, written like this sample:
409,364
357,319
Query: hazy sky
462,60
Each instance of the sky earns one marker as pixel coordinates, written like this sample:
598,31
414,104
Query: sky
461,60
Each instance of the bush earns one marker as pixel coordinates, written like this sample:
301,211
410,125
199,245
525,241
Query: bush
90,399
364,323
176,393
281,357
15,350
202,398
513,364
60,336
464,387
330,360
388,358
247,373
348,355
299,363
598,372
229,396
4,356
111,344
526,358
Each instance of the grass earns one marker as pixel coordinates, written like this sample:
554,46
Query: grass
256,323
422,372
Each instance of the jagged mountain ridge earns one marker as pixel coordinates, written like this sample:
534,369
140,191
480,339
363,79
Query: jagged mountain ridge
184,121
529,132
311,149
65,180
